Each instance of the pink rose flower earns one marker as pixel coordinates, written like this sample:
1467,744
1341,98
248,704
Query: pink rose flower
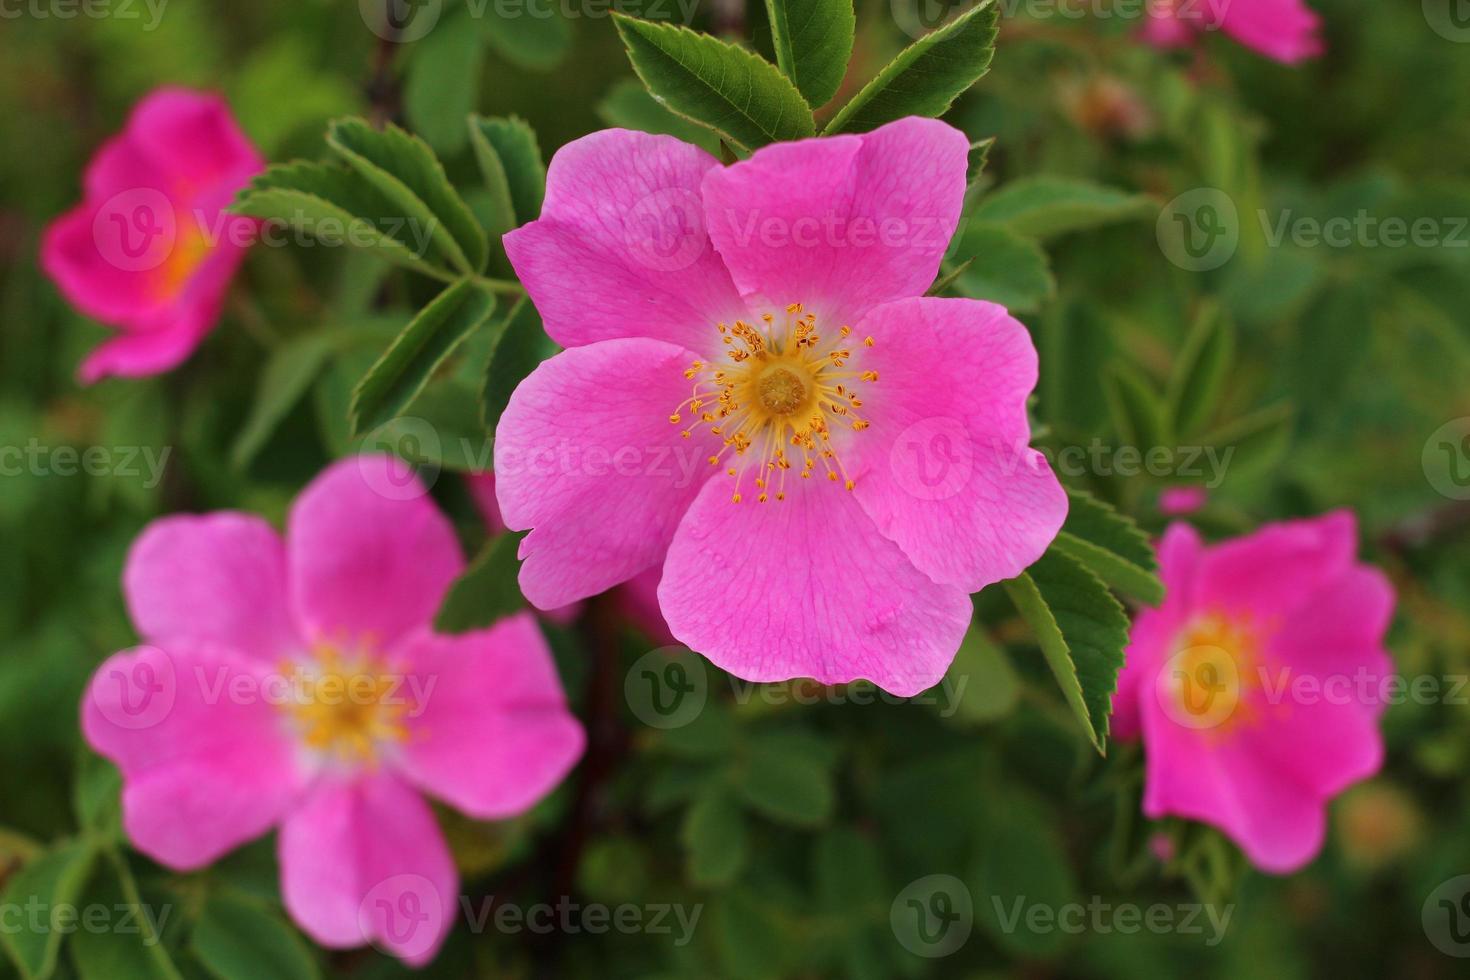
1283,30
1258,684
298,685
150,250
636,598
758,399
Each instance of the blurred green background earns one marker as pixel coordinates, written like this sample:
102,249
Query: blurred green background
796,829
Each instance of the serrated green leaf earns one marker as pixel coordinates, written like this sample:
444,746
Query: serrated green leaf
1200,372
537,36
520,346
1112,546
239,939
52,881
813,42
1047,205
730,90
287,377
403,168
715,838
1007,268
392,383
1137,409
1082,631
337,205
630,106
507,147
442,82
487,591
927,76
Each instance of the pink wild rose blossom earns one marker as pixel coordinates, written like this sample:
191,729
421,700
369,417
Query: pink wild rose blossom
150,250
1287,31
1258,684
298,685
758,403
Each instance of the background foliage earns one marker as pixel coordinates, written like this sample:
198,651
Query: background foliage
794,827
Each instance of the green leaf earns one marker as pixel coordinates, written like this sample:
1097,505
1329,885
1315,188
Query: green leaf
715,838
336,205
1253,442
1047,205
536,36
130,948
1199,374
238,939
405,170
487,591
927,76
443,80
1137,409
985,683
51,882
1021,863
520,346
785,780
1112,546
629,106
96,796
749,937
1007,268
507,147
848,871
1082,631
730,90
287,377
813,42
392,383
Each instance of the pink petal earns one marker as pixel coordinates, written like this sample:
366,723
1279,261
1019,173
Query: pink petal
206,765
364,861
946,470
585,455
193,137
494,735
482,490
842,223
1273,572
99,287
1339,633
1283,30
620,249
370,554
218,579
1165,28
806,587
1150,642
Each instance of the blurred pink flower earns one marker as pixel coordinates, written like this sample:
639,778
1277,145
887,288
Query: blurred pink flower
1258,684
1283,30
150,250
298,685
744,316
1178,501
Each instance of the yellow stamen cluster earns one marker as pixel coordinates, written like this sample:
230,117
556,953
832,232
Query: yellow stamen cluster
776,406
347,708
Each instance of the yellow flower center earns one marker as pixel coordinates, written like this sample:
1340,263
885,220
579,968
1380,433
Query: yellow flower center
348,708
1207,681
190,249
776,405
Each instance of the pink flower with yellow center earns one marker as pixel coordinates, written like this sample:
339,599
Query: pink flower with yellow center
1283,30
150,250
758,400
1258,684
298,685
